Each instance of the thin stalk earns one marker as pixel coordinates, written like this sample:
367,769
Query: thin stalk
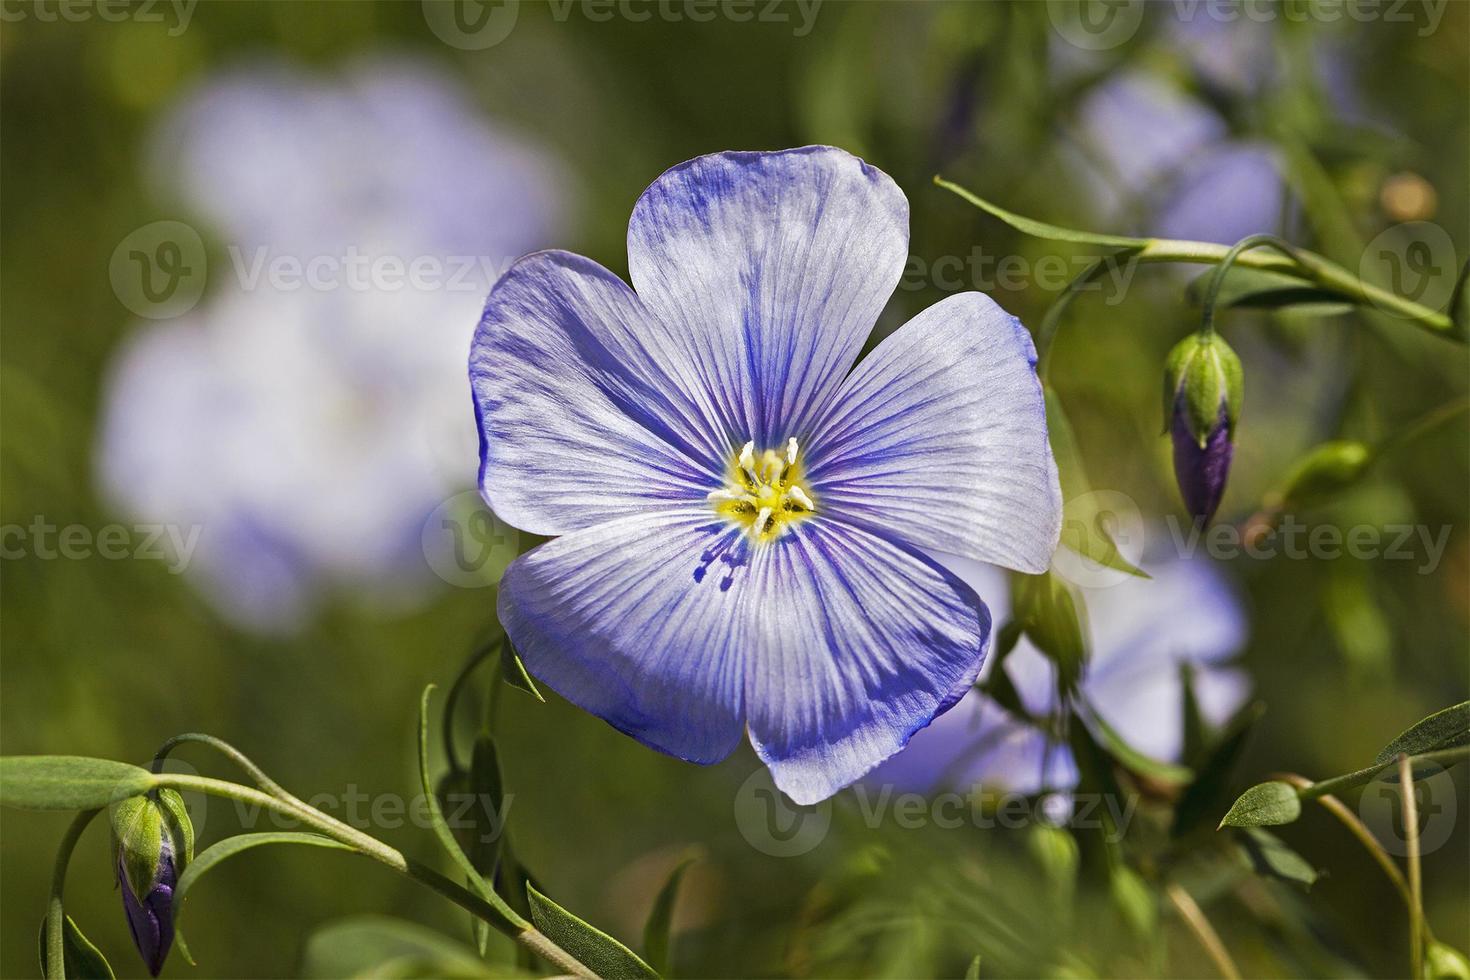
1296,261
1358,829
1330,787
516,928
55,913
1312,266
228,751
1194,917
1217,278
1416,879
453,696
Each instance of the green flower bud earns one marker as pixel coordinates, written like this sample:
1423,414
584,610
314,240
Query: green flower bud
1444,962
152,842
1326,470
1202,377
1052,615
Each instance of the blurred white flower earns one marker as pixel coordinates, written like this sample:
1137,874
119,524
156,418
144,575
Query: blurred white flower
309,429
1142,631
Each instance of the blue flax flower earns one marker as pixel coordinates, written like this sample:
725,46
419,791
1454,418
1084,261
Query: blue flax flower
742,517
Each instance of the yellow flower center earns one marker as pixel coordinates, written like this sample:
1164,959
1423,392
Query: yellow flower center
764,494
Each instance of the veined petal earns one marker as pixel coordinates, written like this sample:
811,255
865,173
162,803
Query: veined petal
775,266
938,438
637,621
582,411
857,643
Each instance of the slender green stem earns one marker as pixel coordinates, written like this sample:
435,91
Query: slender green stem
1423,425
1296,261
228,751
1312,266
55,913
1364,836
1416,880
1217,278
453,696
1199,924
1330,787
1052,321
517,929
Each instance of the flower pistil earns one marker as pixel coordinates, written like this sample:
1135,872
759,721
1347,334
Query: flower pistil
764,494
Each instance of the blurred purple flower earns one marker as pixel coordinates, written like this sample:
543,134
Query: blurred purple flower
741,514
1142,630
1154,157
305,432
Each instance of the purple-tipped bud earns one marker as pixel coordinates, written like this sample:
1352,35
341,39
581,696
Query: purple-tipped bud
153,841
151,916
1201,471
1202,395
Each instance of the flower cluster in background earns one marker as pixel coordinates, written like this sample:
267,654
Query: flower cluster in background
309,428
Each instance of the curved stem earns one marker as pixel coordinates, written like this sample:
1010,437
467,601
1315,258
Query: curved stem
522,932
453,696
1194,917
1358,829
1416,882
1217,278
55,914
1319,270
230,752
1052,321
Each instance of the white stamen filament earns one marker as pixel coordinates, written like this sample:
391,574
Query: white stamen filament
764,487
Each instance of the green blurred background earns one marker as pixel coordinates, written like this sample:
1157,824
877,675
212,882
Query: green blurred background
108,658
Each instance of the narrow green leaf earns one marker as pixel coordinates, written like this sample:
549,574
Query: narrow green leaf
80,958
1445,729
206,859
658,929
593,948
1040,229
1270,857
973,973
514,673
442,831
68,782
1264,805
1210,788
1129,757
